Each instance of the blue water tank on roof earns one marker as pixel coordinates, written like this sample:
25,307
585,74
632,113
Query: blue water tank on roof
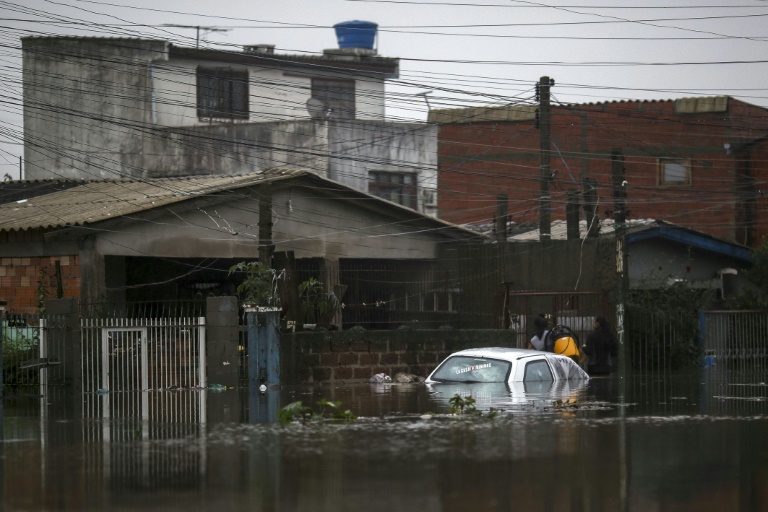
356,34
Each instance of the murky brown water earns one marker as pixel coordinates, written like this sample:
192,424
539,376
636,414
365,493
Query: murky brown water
693,442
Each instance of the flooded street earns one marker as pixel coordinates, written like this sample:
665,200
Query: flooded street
689,442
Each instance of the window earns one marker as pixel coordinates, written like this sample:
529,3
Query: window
472,369
674,172
537,371
398,187
222,93
337,96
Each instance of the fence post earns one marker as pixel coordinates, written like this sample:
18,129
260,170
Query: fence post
2,309
67,345
222,332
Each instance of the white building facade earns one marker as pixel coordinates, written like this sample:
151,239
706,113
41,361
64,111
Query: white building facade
134,108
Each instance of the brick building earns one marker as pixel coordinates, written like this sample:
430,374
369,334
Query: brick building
701,163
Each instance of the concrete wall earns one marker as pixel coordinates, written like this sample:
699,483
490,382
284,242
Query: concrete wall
358,148
356,355
86,105
274,95
222,340
656,263
310,222
236,149
345,151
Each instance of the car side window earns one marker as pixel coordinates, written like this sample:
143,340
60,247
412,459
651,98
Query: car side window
537,371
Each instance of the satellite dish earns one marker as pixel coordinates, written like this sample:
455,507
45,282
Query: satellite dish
316,108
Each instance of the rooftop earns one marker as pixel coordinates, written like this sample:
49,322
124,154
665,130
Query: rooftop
84,202
698,105
357,59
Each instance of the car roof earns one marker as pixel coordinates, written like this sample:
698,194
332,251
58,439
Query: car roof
510,354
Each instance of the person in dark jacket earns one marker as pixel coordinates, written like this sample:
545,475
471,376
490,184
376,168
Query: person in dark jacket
601,347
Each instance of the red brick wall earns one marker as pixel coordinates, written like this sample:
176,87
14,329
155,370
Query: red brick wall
478,161
21,277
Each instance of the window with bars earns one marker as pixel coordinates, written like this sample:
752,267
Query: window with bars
222,93
674,172
398,187
337,96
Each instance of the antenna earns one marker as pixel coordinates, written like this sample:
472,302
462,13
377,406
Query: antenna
424,94
198,28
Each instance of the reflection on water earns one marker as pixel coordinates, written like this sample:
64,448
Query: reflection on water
691,442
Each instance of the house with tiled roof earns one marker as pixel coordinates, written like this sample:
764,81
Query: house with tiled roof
170,239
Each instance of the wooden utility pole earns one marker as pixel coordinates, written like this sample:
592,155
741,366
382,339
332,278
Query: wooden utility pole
545,174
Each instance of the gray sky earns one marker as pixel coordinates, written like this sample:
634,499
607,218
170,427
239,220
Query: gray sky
488,52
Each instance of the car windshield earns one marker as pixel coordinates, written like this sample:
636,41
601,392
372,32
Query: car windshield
472,369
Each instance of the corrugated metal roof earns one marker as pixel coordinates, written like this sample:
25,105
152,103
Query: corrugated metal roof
529,232
559,229
635,230
94,201
15,190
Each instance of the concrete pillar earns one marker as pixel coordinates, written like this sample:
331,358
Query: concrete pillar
331,282
93,285
572,215
222,340
66,344
263,345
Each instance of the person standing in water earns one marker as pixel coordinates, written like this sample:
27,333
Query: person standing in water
601,347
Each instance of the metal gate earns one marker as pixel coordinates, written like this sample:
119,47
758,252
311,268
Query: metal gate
734,338
121,354
576,310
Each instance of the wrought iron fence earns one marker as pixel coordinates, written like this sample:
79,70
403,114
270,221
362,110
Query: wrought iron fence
661,341
575,310
736,339
386,294
21,344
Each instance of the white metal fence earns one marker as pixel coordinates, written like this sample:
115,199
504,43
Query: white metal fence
123,354
146,376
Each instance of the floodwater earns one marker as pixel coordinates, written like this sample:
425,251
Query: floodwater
643,443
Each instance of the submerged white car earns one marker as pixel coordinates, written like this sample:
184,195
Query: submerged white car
508,365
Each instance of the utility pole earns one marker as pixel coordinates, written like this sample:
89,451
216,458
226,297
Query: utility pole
266,247
622,273
501,218
545,172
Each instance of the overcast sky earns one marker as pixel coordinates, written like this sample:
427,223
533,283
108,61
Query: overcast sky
489,52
